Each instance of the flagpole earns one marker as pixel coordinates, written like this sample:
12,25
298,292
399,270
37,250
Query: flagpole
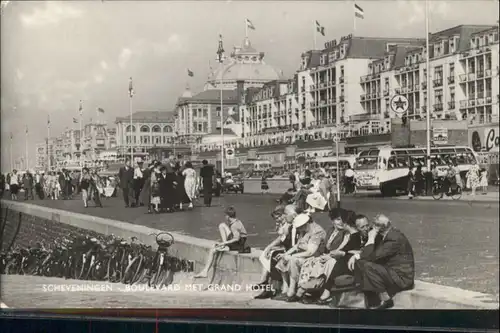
221,121
246,28
27,160
354,17
81,136
132,135
48,138
314,34
11,160
428,80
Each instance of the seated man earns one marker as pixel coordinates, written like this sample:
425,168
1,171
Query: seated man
310,236
384,266
233,235
284,217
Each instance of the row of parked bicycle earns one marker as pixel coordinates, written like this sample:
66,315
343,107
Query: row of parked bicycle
106,258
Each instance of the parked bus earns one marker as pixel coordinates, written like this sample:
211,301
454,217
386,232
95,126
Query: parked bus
330,162
254,167
386,168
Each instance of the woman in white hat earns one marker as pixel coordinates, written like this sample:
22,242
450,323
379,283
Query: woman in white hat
310,238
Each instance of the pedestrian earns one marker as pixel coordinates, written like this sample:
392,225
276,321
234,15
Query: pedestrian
484,180
207,178
264,186
411,183
85,180
95,188
190,182
473,177
62,184
14,184
39,185
233,238
2,184
145,196
126,176
155,188
138,182
182,197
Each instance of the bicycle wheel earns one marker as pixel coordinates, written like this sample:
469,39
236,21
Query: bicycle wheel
437,192
130,271
457,194
140,268
161,278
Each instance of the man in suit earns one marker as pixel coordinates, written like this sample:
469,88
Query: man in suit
126,176
207,176
385,265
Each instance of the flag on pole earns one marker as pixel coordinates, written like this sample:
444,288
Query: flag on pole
250,24
358,11
220,51
130,88
190,73
26,129
100,110
48,121
320,28
11,136
80,108
75,121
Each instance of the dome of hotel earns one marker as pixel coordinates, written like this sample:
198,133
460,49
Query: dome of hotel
246,64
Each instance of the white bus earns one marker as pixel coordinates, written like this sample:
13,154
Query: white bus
330,162
386,168
254,167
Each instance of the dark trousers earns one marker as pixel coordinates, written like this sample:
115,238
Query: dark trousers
39,191
207,191
28,193
127,195
137,189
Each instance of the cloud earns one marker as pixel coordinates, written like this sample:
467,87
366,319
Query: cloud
50,14
124,57
98,78
19,74
416,10
174,43
104,65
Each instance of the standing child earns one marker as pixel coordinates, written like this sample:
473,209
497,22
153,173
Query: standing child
264,187
484,180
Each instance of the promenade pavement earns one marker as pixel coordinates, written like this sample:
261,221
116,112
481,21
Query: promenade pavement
19,291
456,243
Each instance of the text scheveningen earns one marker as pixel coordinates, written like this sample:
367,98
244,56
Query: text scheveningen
87,287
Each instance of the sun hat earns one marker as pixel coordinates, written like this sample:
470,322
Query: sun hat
300,220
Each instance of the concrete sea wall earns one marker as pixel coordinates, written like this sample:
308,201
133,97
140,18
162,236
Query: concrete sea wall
28,222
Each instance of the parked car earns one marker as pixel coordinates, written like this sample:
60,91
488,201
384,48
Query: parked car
235,186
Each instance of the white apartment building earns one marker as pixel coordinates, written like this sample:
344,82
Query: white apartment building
464,76
273,107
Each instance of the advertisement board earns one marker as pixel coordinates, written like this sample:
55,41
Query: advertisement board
440,136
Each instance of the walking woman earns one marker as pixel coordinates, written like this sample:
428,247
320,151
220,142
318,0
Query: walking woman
182,197
85,180
154,181
145,196
473,179
14,184
189,182
94,188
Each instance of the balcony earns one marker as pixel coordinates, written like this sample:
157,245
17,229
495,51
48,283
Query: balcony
464,103
303,89
451,79
341,79
341,98
416,87
424,85
404,89
451,105
398,90
487,73
480,73
363,97
480,101
438,107
437,83
472,102
322,102
386,92
322,84
471,76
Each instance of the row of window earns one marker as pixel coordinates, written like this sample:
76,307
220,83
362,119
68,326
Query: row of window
149,140
154,129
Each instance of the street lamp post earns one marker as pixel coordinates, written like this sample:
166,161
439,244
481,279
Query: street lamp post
428,82
220,59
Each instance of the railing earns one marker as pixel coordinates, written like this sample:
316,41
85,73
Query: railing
438,107
363,96
341,79
480,101
451,79
451,105
386,92
464,104
341,98
463,77
480,73
416,87
472,102
471,76
424,85
487,73
438,82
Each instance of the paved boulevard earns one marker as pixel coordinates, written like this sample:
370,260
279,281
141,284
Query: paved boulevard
456,243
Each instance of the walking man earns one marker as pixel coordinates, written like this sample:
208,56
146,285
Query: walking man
207,178
126,176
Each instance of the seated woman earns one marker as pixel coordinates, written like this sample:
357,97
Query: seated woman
310,238
284,216
233,235
318,272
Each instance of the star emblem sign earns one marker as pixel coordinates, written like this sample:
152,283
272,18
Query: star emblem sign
399,104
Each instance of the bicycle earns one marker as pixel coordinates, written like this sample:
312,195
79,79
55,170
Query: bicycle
157,273
438,190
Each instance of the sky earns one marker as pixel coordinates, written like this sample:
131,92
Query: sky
54,54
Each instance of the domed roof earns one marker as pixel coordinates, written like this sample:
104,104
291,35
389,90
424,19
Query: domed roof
245,63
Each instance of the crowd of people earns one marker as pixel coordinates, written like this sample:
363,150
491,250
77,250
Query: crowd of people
166,187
